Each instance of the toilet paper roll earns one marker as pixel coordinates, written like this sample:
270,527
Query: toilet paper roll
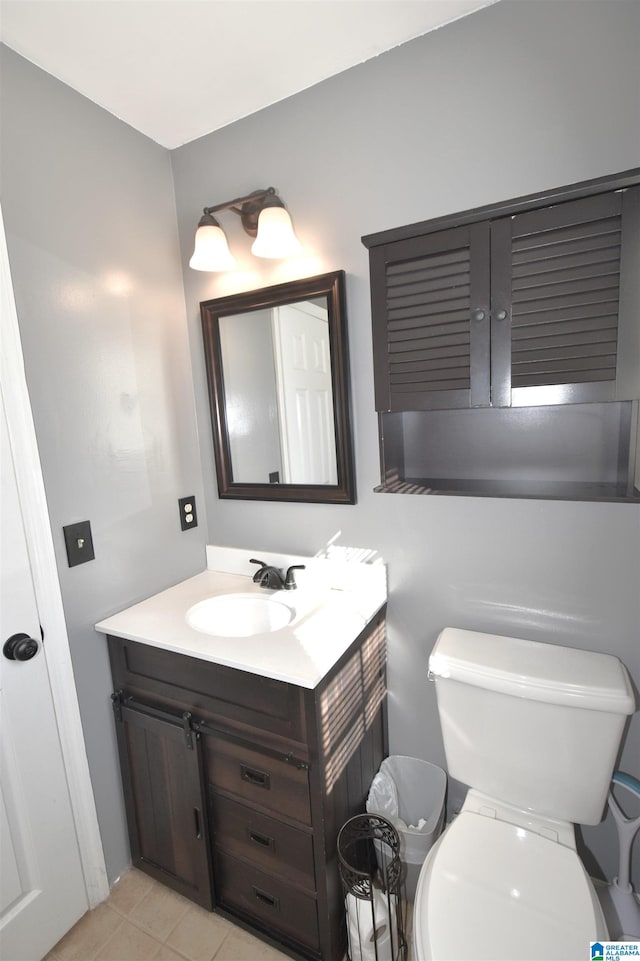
370,927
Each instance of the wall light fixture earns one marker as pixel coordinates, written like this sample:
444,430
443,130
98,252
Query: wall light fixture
263,216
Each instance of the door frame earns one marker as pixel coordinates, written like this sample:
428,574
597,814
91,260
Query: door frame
40,547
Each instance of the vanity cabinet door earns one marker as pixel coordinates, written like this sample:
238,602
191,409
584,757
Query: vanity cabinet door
161,764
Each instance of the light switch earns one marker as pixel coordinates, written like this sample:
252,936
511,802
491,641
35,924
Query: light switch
79,543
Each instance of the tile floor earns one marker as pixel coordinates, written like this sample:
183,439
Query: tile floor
144,921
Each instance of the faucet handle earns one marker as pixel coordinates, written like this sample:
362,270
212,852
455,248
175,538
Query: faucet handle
258,574
290,580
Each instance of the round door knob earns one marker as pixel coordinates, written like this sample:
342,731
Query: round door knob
501,315
479,315
20,647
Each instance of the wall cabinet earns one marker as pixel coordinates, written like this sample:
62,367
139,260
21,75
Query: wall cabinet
236,785
534,303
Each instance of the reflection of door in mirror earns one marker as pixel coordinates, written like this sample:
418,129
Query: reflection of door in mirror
278,394
305,397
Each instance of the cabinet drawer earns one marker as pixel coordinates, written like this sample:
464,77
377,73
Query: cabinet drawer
259,778
278,907
266,842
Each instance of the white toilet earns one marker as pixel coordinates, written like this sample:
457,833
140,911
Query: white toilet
534,730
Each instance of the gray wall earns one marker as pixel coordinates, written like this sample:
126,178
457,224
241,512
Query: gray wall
514,99
519,97
90,219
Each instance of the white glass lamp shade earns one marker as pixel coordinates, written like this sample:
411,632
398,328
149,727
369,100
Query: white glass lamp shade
211,251
275,238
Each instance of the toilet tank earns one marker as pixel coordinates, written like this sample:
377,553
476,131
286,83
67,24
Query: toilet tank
535,725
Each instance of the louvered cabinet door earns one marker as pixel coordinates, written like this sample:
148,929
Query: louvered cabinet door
431,325
556,276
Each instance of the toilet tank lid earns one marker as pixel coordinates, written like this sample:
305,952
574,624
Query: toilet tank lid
532,669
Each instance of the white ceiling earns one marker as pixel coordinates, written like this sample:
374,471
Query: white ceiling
178,69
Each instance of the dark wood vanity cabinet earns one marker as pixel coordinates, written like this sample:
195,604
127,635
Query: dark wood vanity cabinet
507,346
236,785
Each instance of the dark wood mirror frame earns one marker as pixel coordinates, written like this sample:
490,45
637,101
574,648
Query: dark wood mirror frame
331,286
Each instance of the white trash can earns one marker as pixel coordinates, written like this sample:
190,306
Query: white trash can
410,793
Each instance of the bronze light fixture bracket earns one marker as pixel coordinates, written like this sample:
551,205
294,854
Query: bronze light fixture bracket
248,208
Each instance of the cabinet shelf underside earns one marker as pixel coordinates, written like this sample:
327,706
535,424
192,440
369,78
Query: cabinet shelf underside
538,490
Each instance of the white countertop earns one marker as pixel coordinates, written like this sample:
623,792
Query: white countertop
332,605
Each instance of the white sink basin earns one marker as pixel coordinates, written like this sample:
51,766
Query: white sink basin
239,615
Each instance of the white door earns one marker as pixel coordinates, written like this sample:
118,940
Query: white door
42,890
305,396
47,809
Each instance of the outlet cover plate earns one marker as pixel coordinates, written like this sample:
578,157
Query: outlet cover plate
188,516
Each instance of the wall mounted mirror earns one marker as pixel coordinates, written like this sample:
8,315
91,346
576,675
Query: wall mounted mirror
277,369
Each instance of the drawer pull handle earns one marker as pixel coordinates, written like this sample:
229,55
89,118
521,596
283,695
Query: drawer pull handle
269,899
262,839
197,824
253,776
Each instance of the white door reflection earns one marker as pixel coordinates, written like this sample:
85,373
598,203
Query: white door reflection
278,394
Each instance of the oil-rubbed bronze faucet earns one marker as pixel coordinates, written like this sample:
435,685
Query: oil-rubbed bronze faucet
272,578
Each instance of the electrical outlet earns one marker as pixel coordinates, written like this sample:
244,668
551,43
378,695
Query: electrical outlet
79,543
188,516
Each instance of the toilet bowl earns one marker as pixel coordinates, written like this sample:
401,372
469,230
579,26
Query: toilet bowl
494,891
533,729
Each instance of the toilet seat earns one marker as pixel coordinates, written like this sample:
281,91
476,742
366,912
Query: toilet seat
493,891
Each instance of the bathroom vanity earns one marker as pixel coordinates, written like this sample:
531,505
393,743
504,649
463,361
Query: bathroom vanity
242,756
